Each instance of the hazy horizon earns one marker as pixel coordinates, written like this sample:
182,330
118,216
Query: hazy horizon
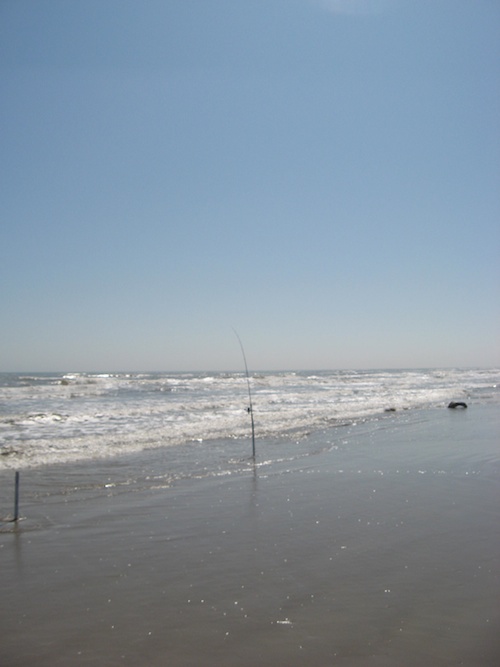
240,371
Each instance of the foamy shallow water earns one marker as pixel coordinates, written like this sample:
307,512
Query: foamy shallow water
367,544
56,418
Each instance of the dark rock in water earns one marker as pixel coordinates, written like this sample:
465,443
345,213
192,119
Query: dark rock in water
390,410
457,404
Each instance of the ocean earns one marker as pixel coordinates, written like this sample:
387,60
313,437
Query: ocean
52,418
363,534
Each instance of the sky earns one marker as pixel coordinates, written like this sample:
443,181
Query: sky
322,176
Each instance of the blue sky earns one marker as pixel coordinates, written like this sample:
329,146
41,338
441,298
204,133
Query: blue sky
321,175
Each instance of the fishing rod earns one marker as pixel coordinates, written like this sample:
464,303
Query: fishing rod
250,408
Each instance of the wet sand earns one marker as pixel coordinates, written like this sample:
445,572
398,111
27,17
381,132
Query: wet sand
380,550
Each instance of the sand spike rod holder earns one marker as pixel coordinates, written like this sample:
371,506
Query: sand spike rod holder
16,497
250,408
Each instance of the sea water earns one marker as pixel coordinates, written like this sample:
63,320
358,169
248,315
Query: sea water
148,534
66,417
378,550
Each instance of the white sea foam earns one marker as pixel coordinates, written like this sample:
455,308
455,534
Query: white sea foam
56,418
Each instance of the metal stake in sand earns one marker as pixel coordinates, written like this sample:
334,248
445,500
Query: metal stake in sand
250,409
16,498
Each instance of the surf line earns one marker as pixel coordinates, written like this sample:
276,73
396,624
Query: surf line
250,408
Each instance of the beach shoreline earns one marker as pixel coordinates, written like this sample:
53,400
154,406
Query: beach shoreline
377,548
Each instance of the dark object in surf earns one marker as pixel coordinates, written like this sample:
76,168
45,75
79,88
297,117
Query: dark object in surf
457,404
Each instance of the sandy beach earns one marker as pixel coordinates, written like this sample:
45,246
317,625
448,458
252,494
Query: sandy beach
380,548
